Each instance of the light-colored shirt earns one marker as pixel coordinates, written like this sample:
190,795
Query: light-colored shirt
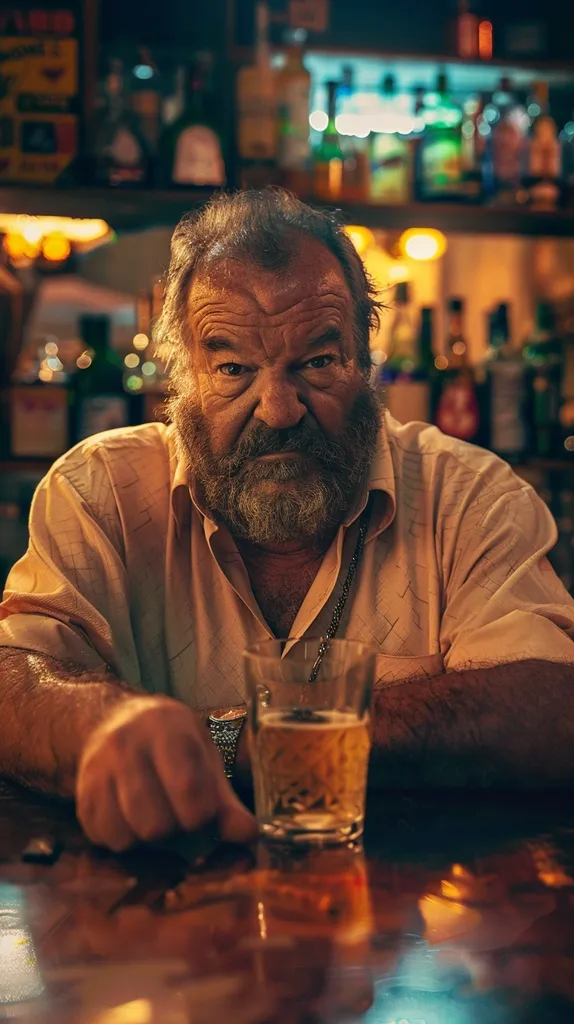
125,570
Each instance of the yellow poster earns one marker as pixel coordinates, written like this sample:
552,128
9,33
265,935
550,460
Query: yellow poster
38,108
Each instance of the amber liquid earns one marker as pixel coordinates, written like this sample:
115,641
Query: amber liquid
310,774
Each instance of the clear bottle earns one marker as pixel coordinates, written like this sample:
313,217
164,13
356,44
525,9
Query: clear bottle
191,146
505,150
174,104
441,145
257,106
121,156
390,152
293,86
328,154
508,427
543,165
407,373
146,99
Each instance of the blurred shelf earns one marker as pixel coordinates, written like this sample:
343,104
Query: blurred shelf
136,210
123,209
462,219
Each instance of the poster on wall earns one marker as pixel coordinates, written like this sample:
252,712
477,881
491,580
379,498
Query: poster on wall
40,92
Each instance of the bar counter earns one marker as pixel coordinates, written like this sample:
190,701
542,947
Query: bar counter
460,910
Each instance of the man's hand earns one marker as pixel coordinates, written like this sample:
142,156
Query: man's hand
149,769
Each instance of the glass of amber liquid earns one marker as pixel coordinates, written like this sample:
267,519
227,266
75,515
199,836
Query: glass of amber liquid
309,737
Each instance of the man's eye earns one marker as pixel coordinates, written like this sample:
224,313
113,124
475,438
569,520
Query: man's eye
231,369
319,362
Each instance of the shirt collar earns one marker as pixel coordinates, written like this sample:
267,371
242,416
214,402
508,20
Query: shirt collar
381,480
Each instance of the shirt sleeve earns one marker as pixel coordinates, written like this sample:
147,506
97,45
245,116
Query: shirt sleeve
503,600
68,597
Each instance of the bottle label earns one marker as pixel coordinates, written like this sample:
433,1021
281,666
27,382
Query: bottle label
294,144
508,429
457,412
442,164
102,412
390,169
125,159
257,128
198,159
39,421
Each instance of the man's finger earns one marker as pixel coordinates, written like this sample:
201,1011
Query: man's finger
102,820
188,779
143,800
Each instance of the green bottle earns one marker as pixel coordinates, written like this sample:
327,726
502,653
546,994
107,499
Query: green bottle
328,155
440,167
100,400
543,356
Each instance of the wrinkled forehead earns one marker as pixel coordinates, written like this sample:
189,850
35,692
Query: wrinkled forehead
312,279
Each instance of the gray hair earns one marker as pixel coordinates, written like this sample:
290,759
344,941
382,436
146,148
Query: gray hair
266,228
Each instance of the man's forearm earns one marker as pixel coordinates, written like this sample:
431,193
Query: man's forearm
506,725
48,708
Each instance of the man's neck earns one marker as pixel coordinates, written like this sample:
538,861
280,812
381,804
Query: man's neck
291,549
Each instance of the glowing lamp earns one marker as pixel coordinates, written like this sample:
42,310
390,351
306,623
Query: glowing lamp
361,237
422,244
56,247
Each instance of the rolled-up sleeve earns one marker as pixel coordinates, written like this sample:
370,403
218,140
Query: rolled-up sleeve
68,597
503,600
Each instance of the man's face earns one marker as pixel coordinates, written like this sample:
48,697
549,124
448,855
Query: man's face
276,420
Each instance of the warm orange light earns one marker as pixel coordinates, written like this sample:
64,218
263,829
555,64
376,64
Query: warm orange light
485,40
361,237
75,229
14,244
422,244
56,248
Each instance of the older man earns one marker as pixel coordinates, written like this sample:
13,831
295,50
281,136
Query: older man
157,554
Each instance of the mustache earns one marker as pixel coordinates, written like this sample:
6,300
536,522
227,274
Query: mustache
262,440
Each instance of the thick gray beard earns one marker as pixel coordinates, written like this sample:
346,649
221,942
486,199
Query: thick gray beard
318,499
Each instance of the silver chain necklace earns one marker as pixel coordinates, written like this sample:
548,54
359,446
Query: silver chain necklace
339,607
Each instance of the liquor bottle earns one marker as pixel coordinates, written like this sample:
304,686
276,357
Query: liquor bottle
256,106
146,100
473,147
441,145
390,153
173,105
408,374
466,31
328,154
543,165
508,427
293,86
542,353
505,149
191,145
121,157
457,411
100,400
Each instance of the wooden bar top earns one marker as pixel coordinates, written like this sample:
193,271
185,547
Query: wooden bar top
459,910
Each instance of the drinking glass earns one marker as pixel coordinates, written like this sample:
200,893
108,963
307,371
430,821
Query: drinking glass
309,737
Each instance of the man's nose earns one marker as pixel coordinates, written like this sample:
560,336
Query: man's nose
279,404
